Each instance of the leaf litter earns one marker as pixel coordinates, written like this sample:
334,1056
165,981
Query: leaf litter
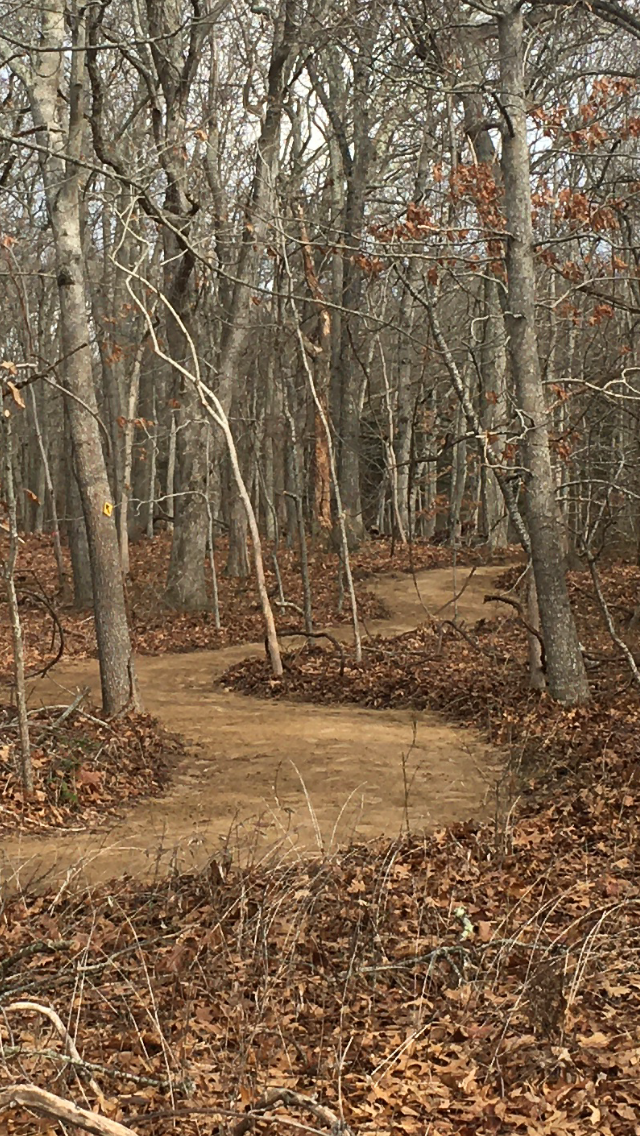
86,769
480,980
157,628
446,984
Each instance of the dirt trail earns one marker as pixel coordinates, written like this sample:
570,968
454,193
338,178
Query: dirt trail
269,773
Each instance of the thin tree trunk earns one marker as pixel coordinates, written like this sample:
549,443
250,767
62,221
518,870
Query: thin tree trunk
171,469
322,464
343,529
458,477
26,767
493,362
76,530
127,460
152,444
57,545
214,410
211,544
493,353
297,496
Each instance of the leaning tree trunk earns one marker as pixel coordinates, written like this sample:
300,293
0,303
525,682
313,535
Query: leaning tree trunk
8,571
566,673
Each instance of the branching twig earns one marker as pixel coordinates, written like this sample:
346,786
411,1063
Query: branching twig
58,627
60,1028
274,1097
321,635
525,622
606,615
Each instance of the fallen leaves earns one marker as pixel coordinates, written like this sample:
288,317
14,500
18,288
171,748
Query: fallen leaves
84,769
276,975
156,627
477,981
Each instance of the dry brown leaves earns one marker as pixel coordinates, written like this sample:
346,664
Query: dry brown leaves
482,981
477,676
380,556
446,984
157,628
85,769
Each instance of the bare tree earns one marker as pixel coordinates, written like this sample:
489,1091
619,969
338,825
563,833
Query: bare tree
58,118
566,673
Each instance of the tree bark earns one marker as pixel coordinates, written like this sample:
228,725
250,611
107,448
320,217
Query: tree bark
26,766
76,531
175,71
566,673
493,413
61,179
493,348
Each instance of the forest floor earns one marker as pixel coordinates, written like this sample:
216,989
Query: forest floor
264,774
476,673
478,978
51,625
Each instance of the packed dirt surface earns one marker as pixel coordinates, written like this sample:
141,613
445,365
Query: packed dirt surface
277,774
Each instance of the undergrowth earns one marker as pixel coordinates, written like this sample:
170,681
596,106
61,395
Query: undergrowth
456,983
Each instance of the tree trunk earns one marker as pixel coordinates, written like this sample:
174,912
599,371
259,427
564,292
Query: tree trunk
186,582
258,215
566,673
458,479
26,766
117,675
78,548
57,545
237,565
493,414
493,349
128,435
62,191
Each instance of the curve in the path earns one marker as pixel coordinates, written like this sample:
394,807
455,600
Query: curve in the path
276,773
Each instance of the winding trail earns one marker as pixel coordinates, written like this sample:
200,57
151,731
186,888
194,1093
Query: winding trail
275,773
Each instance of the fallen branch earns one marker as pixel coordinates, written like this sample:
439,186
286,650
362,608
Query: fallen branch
57,1108
112,1071
80,697
60,1028
50,945
289,1099
319,635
